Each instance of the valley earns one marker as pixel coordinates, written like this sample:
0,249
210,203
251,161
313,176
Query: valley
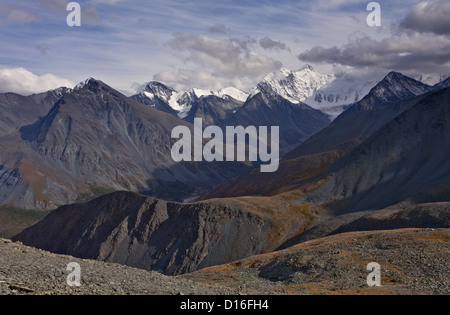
91,177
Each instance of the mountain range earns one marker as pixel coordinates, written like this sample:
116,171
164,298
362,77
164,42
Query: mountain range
406,157
96,139
212,107
356,156
392,96
330,94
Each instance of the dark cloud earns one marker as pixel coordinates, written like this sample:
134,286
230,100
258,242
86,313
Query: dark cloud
417,45
419,52
43,49
218,29
90,15
431,17
269,44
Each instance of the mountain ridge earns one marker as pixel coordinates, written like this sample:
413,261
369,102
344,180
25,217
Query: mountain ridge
171,238
102,139
365,117
407,156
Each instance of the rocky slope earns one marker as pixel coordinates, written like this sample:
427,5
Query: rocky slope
393,88
320,151
388,99
399,216
297,122
212,107
171,238
406,157
29,271
293,174
156,95
442,85
96,139
213,110
18,111
413,262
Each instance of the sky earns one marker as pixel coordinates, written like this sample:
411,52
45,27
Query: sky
214,44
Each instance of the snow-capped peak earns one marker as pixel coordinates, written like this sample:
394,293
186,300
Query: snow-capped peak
295,86
200,93
156,89
432,78
396,85
182,101
234,93
223,93
61,91
282,74
329,93
83,84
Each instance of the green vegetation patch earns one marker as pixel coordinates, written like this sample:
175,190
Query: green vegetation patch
94,193
14,220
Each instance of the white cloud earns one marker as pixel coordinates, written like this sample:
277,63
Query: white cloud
228,56
215,63
23,81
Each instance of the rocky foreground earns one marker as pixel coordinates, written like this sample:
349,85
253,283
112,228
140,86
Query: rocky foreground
413,261
26,270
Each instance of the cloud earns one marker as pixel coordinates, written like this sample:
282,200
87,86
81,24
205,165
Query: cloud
227,56
42,49
15,13
218,29
415,45
111,2
269,44
433,17
22,81
89,14
215,61
169,77
419,52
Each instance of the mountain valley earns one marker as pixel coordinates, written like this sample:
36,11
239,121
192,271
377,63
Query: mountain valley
363,176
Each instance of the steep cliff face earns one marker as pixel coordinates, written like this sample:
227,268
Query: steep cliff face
171,238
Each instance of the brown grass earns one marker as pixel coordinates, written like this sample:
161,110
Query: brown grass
435,237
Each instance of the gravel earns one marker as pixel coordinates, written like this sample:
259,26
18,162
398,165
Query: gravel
25,270
413,262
